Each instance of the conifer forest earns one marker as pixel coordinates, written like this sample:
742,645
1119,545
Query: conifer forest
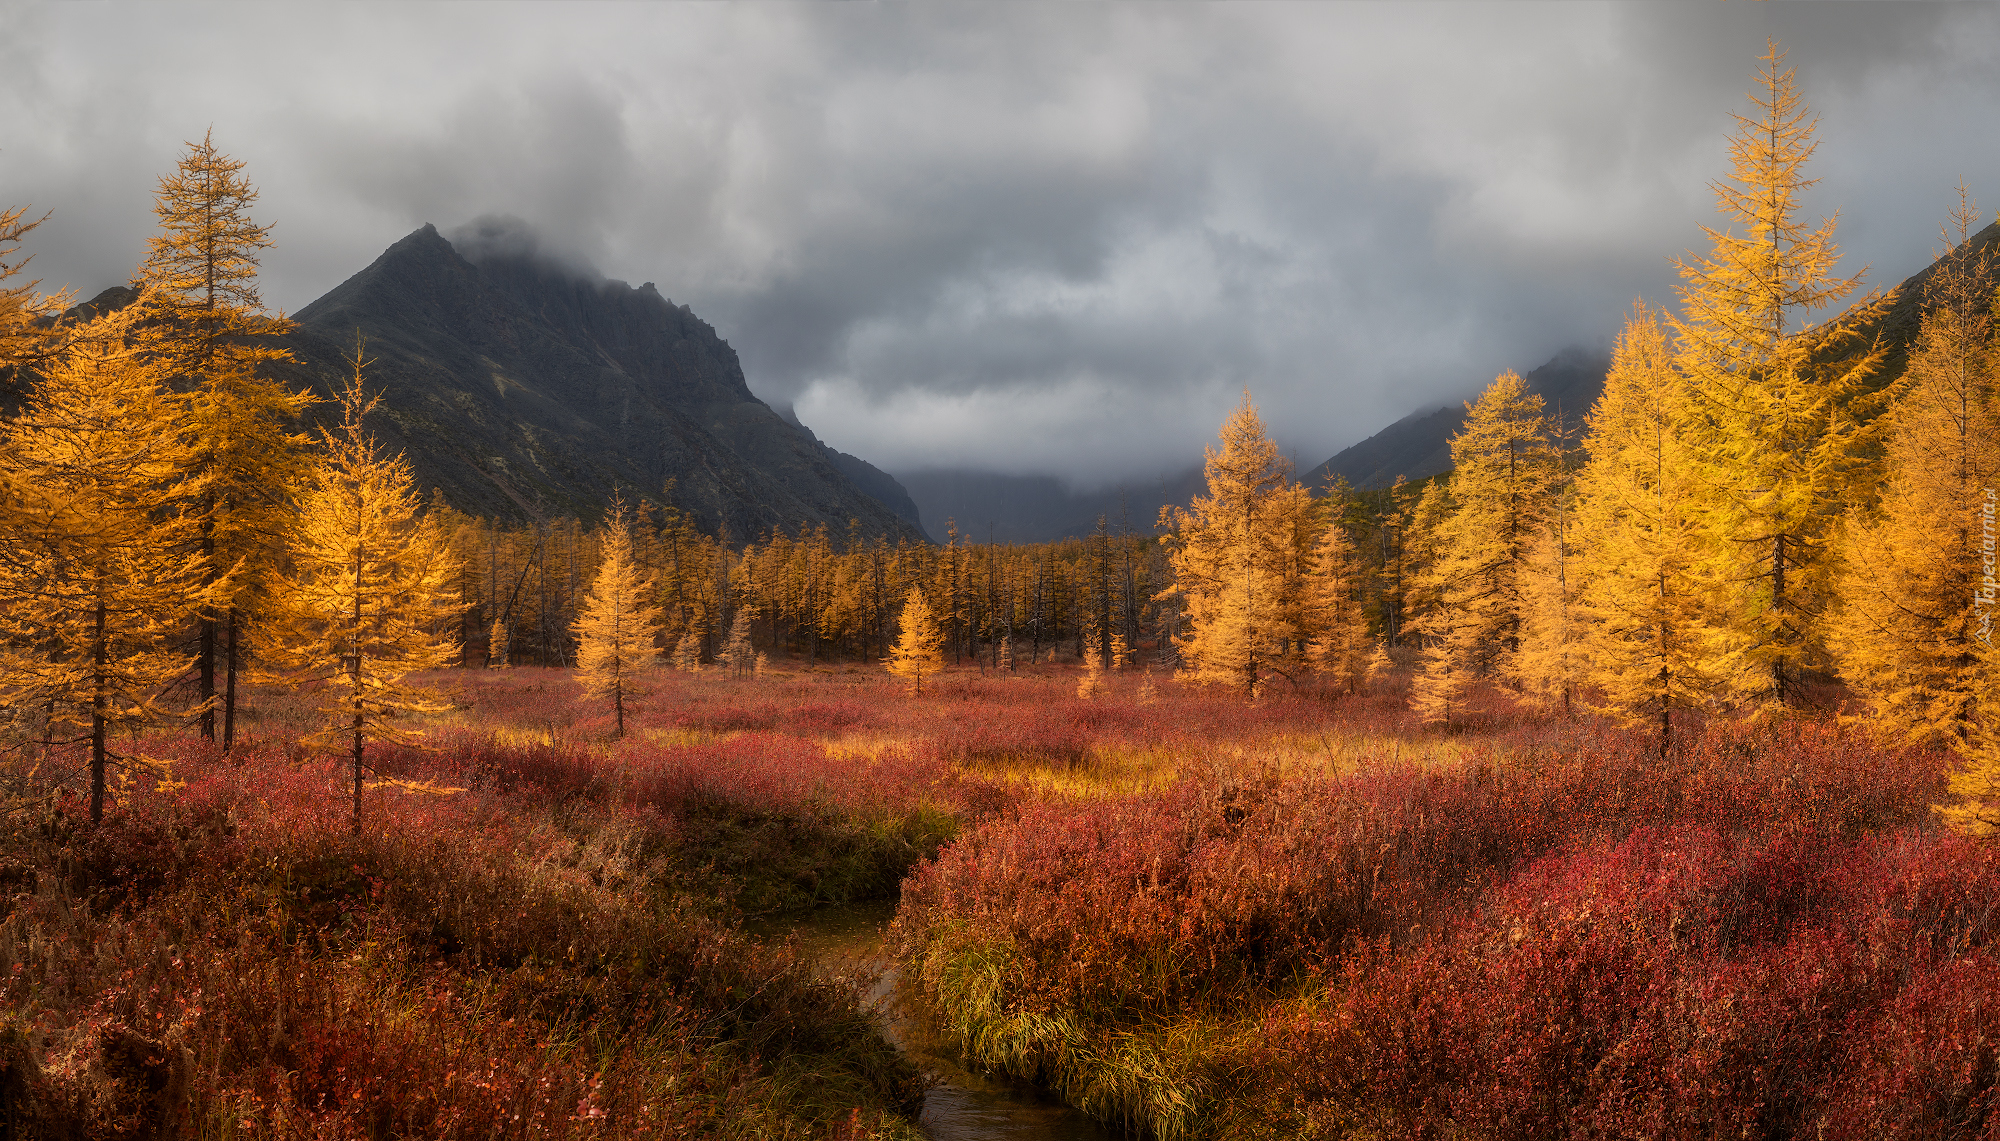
1638,777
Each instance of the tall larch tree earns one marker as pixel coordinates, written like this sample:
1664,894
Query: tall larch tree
617,629
919,649
206,326
1548,668
1647,591
1908,634
1232,553
1337,605
1781,403
97,569
369,594
1504,471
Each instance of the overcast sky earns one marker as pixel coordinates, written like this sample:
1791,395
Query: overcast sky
1016,237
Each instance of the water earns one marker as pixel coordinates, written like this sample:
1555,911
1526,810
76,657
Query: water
963,1105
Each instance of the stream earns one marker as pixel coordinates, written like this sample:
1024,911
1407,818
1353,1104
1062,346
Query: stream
963,1106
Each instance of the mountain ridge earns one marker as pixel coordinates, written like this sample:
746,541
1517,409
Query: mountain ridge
1419,445
520,390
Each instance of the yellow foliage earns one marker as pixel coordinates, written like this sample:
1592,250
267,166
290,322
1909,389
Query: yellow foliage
616,630
1337,611
204,324
918,652
369,594
26,334
1778,406
687,653
1646,590
738,652
1091,683
1504,472
96,573
1908,631
1549,666
1237,559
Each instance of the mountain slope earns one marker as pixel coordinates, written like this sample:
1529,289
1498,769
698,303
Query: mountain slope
1419,444
872,481
519,389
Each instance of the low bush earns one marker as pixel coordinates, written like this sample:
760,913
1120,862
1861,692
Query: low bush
228,958
1460,936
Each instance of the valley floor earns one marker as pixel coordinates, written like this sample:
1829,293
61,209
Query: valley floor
1184,914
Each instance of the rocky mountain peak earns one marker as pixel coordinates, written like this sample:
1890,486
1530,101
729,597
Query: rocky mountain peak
521,386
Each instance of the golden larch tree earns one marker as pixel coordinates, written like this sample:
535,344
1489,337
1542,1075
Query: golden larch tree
1338,610
687,653
1548,669
1091,684
1504,471
206,326
617,629
1647,592
919,649
370,594
1234,559
1781,404
1909,633
97,569
738,650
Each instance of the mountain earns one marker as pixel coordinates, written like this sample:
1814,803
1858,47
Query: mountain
1899,324
1026,509
522,389
1039,508
872,481
1419,444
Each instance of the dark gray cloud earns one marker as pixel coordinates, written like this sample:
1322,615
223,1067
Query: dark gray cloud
1033,238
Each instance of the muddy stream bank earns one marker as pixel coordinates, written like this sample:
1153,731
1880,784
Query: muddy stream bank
964,1105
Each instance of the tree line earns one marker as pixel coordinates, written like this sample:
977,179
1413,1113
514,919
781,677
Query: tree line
809,595
1756,504
165,529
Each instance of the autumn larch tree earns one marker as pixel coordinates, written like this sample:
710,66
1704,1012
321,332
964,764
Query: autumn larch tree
919,649
1091,684
205,325
1504,471
96,572
738,650
1548,669
1781,405
1338,610
1912,633
370,593
1646,590
616,631
1234,560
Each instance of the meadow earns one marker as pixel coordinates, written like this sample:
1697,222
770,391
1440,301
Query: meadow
1187,914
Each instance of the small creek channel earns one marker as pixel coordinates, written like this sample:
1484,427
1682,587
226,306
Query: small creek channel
963,1106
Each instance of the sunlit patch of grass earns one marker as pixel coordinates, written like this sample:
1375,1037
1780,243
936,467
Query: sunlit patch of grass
870,746
1109,771
1334,751
678,737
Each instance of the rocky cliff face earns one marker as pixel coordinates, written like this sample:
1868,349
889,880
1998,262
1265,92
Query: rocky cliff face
519,389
